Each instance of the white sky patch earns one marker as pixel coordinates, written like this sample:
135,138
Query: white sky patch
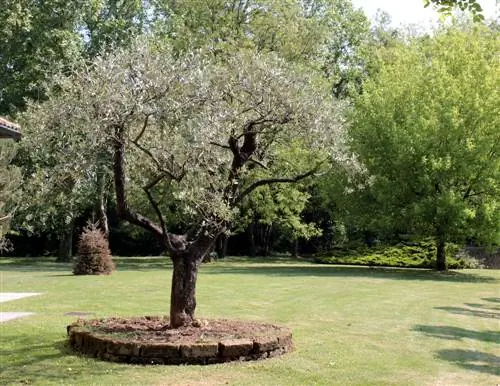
404,12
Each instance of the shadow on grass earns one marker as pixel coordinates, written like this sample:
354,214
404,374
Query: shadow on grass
472,360
276,266
470,312
348,271
457,333
493,300
35,264
483,306
142,263
32,362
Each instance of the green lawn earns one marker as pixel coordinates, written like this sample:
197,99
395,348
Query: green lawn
351,325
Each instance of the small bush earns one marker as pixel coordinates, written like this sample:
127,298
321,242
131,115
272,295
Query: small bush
94,256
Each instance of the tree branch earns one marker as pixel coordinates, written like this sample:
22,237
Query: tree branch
219,145
121,198
170,173
154,204
139,136
269,181
257,162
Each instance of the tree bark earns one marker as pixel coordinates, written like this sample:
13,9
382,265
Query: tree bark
267,240
65,251
102,203
221,245
251,235
183,294
296,247
184,277
441,264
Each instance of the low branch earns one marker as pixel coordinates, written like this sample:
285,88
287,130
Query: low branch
270,181
121,198
257,162
141,133
154,204
468,192
170,173
219,145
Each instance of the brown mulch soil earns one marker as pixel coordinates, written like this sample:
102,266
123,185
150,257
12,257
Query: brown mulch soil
157,329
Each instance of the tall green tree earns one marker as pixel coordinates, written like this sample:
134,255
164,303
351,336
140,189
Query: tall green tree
38,39
35,37
325,34
427,129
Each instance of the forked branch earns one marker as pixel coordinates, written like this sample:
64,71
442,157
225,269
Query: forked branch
270,181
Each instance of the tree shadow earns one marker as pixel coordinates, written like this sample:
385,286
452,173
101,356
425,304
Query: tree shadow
32,264
472,360
493,300
35,362
149,263
457,333
484,306
470,312
349,271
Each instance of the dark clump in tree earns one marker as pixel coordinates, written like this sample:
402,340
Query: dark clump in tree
94,256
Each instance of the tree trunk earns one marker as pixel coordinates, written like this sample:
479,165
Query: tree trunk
183,295
102,203
221,245
65,252
296,247
251,234
267,240
184,276
440,254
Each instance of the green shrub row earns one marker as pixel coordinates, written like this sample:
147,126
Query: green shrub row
421,254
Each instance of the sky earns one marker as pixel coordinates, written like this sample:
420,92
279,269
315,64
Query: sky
413,11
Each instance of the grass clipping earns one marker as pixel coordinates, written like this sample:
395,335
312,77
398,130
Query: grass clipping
94,256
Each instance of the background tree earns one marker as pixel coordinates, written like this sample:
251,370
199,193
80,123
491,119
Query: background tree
272,215
40,38
429,137
324,34
446,7
10,179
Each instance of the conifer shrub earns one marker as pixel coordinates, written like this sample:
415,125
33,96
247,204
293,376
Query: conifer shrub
420,254
93,256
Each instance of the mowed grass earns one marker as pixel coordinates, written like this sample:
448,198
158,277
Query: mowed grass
351,325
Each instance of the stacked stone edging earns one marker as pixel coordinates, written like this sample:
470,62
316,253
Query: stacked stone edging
107,348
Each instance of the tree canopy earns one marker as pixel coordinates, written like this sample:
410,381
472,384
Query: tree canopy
429,136
195,125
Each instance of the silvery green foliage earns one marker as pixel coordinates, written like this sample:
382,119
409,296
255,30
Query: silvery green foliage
9,189
178,116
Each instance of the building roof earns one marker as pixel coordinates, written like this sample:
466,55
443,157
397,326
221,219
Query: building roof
9,129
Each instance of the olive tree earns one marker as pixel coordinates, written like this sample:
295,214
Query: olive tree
10,180
190,132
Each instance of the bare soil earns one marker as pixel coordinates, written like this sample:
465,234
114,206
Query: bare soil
157,330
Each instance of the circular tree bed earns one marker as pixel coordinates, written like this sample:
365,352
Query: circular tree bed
150,340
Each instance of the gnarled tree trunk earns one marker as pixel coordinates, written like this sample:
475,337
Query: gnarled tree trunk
183,294
184,277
